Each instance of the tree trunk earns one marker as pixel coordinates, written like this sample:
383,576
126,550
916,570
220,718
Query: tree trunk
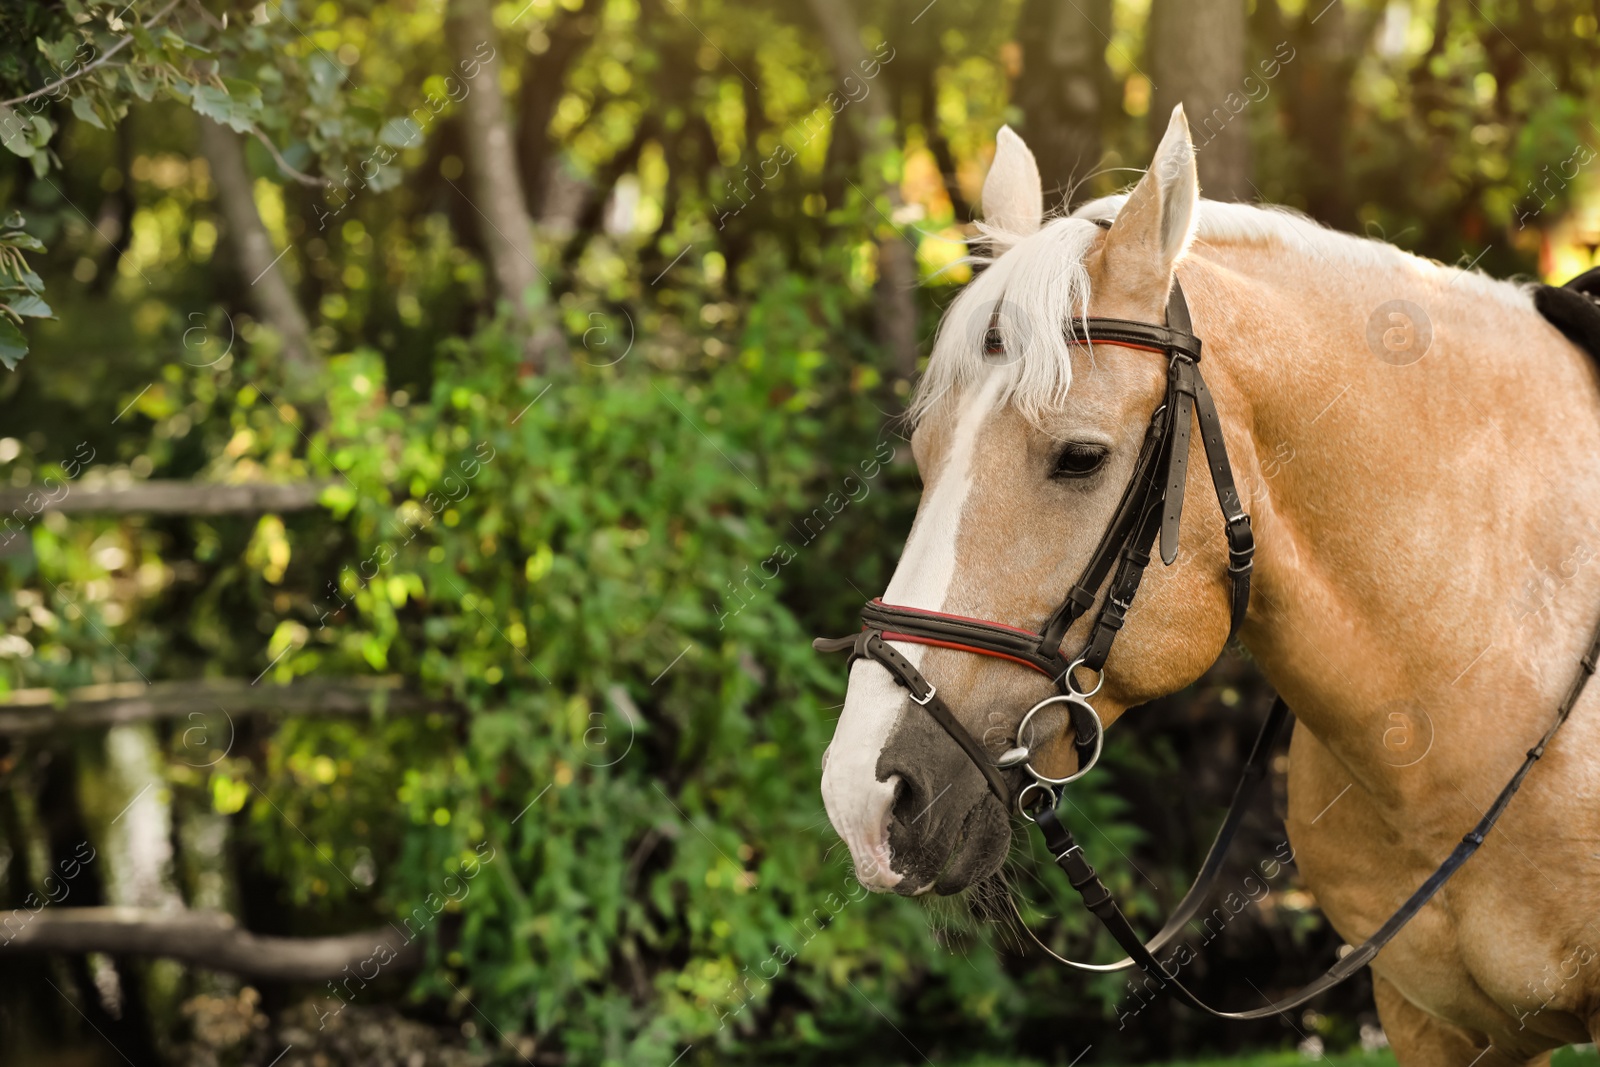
79,875
492,179
1064,89
1327,53
258,263
874,124
543,77
1196,56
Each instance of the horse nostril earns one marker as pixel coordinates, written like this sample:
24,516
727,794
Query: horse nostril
897,789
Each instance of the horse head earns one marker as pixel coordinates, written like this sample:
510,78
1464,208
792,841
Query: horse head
1026,440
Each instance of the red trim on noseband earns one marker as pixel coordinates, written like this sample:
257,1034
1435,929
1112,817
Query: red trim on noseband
962,618
1116,344
889,635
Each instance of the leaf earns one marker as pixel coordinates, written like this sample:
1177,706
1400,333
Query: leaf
244,93
386,177
14,132
177,48
18,239
217,105
400,133
62,54
141,87
365,117
13,345
31,306
83,108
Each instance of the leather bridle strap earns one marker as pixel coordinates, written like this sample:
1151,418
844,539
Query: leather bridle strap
1241,538
1255,770
1099,900
869,644
1160,478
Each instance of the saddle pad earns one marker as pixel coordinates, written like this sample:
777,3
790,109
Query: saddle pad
1574,309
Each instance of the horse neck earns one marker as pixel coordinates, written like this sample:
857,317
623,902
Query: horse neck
1423,529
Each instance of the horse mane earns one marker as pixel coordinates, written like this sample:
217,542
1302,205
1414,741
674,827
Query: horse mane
1033,284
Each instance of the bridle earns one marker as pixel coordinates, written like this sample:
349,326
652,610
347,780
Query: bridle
1151,505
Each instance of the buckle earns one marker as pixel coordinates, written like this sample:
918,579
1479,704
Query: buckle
1241,536
932,689
1116,611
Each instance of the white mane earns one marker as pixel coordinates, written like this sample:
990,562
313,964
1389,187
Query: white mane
1034,284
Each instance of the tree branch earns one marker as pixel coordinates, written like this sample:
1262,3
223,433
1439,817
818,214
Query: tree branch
163,497
209,940
35,711
283,164
102,61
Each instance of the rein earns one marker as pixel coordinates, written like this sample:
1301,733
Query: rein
1150,508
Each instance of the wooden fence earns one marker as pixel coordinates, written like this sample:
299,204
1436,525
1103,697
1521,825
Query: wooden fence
205,939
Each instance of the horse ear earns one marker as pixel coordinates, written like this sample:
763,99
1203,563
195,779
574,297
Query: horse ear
1157,221
1013,202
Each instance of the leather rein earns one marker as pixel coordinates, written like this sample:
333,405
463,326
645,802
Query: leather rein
1150,508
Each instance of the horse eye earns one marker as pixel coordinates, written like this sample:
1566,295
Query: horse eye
1079,461
994,342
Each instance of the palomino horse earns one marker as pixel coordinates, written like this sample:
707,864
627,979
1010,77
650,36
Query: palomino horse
1420,454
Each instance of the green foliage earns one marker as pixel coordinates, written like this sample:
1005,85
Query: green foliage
20,290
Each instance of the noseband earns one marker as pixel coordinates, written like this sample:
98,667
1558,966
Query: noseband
1151,505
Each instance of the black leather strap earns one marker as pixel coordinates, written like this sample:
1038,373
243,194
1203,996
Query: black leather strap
1241,537
1180,396
1161,475
976,634
869,643
1131,508
1124,586
1139,334
1255,771
1099,900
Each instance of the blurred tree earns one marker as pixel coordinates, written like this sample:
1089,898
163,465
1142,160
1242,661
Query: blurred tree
258,264
497,196
1064,89
1196,56
877,133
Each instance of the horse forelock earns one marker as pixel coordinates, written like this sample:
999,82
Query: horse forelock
1028,292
